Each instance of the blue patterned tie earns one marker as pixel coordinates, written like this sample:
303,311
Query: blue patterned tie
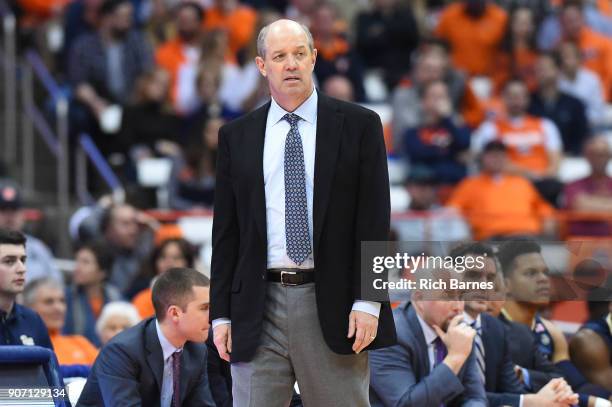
296,209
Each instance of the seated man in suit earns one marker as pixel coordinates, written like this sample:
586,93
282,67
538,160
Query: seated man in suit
432,364
491,343
162,360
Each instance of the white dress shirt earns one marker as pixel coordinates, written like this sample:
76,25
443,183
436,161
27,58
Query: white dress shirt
274,184
167,350
430,336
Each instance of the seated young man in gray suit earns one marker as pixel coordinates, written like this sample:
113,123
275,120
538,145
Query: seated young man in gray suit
491,343
433,363
162,360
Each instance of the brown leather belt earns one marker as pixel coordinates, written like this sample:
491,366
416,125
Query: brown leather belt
290,276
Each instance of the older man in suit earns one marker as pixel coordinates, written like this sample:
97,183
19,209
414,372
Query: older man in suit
433,363
301,182
162,360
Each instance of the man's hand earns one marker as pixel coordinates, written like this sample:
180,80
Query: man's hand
363,327
458,339
556,393
222,336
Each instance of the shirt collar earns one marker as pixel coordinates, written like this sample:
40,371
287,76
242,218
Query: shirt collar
469,320
167,348
428,332
307,110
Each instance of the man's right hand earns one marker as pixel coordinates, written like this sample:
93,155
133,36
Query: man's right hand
222,336
556,393
458,339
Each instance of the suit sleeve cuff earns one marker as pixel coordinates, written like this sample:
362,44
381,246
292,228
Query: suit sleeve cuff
526,378
370,307
220,321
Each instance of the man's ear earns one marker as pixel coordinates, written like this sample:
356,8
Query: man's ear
314,57
261,65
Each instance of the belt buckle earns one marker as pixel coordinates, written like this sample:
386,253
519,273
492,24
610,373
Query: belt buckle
283,273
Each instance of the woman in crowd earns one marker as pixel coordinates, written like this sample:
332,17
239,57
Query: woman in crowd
169,254
89,291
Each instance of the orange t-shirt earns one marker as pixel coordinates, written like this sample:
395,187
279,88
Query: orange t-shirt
240,25
143,301
502,205
520,63
474,42
605,7
73,349
526,142
170,57
96,304
37,10
597,56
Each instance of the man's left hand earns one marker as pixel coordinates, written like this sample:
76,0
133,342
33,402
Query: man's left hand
363,327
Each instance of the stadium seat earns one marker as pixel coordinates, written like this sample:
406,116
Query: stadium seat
30,367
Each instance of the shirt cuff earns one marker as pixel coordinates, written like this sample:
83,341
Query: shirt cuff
370,307
521,400
526,378
220,321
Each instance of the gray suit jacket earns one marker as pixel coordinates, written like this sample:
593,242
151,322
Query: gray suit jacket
128,372
401,377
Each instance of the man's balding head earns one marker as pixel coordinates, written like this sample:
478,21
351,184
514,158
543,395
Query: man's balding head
286,59
597,152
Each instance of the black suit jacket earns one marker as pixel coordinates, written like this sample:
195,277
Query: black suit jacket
129,369
525,353
351,204
502,386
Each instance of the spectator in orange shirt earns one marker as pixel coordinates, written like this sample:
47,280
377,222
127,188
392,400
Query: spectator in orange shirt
518,53
596,48
534,143
47,298
335,55
474,30
89,290
171,253
181,56
498,204
237,19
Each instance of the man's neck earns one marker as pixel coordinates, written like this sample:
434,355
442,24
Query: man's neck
6,303
94,290
290,105
177,340
473,314
520,312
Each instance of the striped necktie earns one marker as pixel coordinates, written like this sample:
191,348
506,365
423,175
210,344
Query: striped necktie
479,349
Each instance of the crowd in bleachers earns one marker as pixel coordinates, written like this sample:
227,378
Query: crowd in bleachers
489,101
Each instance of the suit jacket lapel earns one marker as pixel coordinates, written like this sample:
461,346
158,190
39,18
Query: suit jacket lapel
257,133
186,369
422,353
329,128
155,356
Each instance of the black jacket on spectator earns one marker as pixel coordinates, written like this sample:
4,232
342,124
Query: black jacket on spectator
387,41
145,124
348,65
569,114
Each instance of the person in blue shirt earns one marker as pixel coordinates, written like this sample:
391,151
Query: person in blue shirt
438,144
19,325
